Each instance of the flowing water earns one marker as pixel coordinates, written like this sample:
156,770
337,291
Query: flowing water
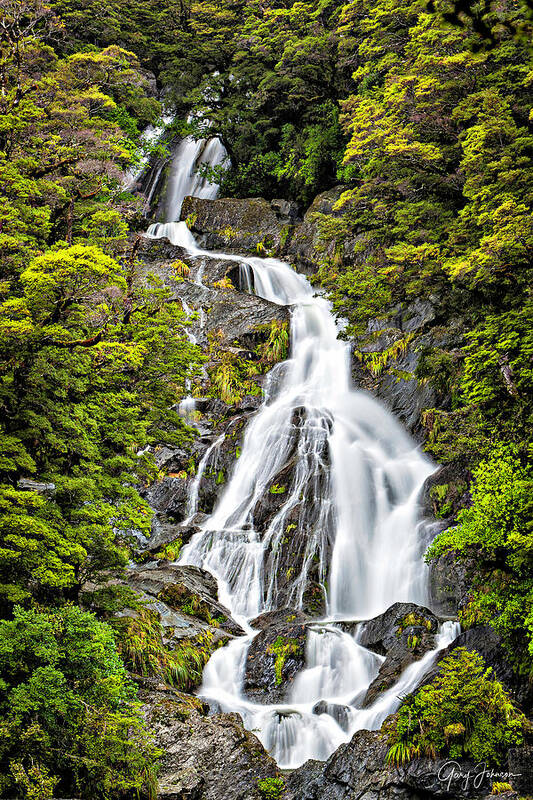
184,179
351,501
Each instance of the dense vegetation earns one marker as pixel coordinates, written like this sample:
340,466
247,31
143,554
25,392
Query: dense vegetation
422,116
464,712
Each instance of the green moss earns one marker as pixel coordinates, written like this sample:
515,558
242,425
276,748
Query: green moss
413,620
271,788
281,649
183,599
170,551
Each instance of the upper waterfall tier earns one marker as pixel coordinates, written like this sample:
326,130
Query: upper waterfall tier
184,177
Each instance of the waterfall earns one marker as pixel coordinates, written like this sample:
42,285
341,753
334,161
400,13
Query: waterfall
184,179
351,506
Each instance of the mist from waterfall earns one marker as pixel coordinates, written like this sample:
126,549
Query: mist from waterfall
355,480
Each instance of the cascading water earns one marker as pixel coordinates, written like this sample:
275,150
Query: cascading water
352,505
184,178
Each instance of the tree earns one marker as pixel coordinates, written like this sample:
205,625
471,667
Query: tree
69,720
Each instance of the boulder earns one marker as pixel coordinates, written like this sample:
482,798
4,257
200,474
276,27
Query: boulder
403,634
276,655
203,758
381,633
340,713
190,593
236,225
358,770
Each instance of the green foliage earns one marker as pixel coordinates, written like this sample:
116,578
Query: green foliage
140,644
500,787
271,788
496,530
465,712
282,648
94,359
70,723
276,347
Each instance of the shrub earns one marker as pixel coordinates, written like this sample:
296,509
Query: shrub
496,530
464,712
69,720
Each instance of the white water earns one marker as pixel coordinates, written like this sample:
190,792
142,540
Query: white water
184,179
349,510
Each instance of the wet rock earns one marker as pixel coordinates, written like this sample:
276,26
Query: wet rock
169,496
296,507
275,656
449,583
243,317
165,533
358,770
341,714
381,633
235,225
188,591
204,758
238,316
403,634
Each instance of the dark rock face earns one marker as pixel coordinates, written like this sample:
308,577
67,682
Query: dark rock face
239,225
276,655
403,634
359,771
304,247
204,758
169,495
449,583
454,478
520,764
239,316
